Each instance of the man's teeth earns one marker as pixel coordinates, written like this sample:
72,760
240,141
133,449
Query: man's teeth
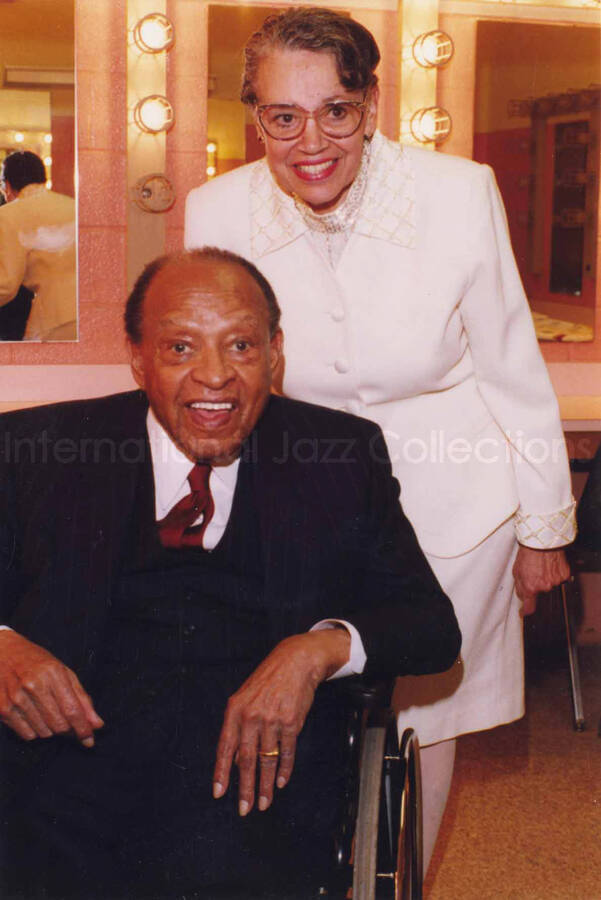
316,168
212,406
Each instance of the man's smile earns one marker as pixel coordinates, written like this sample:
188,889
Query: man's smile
208,414
207,405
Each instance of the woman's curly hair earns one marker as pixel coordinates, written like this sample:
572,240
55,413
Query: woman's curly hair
321,30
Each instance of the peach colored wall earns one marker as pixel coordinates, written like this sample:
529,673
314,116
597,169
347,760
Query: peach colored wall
456,91
383,24
456,82
187,70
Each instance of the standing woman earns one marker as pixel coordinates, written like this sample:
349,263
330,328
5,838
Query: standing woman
402,303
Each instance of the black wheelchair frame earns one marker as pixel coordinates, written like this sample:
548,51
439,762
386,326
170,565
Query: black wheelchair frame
379,846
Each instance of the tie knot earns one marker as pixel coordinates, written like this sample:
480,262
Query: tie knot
198,478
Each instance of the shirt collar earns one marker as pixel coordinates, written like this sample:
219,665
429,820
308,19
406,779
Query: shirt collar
171,467
387,211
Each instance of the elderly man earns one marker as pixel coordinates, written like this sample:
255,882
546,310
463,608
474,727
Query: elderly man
172,548
37,248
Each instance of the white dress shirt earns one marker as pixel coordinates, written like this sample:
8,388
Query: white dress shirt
171,468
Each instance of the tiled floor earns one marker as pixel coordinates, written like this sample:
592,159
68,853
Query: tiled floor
524,816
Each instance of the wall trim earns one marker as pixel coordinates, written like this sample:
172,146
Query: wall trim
577,384
49,384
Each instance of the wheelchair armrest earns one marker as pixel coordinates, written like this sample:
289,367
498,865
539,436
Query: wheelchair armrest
367,694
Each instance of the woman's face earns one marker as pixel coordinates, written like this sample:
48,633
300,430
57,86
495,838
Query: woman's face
318,168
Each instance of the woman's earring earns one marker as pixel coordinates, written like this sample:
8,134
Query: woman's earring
260,137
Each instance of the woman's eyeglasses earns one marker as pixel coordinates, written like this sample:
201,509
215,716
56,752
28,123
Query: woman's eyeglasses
339,119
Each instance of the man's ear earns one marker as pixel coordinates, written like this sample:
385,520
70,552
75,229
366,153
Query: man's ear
276,346
9,193
136,361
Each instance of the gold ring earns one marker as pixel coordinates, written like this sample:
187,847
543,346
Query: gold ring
270,753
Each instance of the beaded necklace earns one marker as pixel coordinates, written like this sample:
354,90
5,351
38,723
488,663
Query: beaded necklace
344,216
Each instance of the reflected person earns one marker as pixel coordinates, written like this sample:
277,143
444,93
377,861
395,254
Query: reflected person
38,248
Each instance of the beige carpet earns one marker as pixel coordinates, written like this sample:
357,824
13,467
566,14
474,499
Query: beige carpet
524,815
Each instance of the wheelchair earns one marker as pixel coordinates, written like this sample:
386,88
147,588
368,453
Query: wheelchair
379,845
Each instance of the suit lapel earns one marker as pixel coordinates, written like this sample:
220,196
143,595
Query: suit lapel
97,499
286,515
277,501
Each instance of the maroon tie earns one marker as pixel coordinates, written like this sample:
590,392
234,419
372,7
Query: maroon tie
177,529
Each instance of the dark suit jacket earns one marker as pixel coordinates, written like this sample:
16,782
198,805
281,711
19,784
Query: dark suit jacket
335,541
76,482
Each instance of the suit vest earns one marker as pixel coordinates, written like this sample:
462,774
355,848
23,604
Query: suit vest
191,604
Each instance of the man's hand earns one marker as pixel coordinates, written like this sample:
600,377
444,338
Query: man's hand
39,696
269,710
535,571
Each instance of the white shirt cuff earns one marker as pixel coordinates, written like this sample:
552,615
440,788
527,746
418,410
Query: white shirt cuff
357,656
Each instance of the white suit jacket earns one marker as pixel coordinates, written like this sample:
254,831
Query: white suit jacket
423,326
38,249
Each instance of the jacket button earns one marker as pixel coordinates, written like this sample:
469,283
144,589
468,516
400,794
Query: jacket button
337,315
341,366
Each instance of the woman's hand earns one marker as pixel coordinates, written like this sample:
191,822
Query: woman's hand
535,571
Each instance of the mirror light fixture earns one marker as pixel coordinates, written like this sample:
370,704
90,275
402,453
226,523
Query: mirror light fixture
211,159
433,49
154,33
431,123
154,114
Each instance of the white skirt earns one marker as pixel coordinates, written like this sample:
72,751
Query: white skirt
485,687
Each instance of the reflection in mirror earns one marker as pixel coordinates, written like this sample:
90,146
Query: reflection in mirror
537,125
232,139
38,240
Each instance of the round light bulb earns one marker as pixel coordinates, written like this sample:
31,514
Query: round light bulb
211,147
47,138
431,124
211,170
47,160
19,137
153,114
154,33
433,49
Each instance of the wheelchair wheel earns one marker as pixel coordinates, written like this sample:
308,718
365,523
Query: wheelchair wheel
388,836
366,835
411,831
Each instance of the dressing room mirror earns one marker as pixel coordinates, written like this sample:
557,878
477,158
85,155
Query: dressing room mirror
232,139
537,125
37,114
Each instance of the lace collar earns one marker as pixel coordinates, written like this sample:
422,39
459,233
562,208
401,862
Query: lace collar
387,210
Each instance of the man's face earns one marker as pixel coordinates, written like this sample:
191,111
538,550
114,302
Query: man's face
206,359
